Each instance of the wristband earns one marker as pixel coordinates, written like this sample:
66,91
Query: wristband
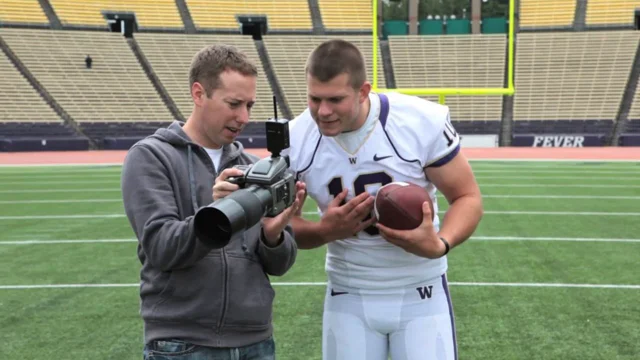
446,245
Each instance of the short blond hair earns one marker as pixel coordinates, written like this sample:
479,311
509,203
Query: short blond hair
213,60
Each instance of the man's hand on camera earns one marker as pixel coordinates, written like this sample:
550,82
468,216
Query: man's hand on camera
343,221
222,187
273,227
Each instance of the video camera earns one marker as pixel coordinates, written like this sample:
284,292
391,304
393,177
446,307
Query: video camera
267,188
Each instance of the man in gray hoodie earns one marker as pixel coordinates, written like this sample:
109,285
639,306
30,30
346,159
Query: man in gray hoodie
198,302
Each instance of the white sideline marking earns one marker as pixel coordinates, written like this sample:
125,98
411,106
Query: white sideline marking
80,241
479,177
557,160
560,185
61,165
50,217
490,160
75,190
108,216
453,283
564,171
70,201
511,177
611,197
59,190
525,238
80,182
572,213
473,238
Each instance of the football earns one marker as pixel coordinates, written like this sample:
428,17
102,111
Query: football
398,205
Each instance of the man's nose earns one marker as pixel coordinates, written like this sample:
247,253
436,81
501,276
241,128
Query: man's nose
324,109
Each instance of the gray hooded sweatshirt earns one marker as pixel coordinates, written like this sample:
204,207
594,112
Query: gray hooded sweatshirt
219,298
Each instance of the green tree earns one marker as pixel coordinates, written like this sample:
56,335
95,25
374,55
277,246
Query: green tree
395,10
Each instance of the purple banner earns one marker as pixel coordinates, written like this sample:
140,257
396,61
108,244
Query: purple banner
558,140
629,140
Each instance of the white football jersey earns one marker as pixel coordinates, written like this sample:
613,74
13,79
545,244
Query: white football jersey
402,135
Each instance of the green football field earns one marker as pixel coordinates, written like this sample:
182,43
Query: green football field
553,271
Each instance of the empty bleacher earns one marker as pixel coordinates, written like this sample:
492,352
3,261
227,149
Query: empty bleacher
566,76
149,13
611,12
170,56
346,15
547,13
221,14
116,89
289,53
19,101
454,61
22,11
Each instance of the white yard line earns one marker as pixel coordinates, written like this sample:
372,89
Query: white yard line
453,283
69,201
46,191
519,185
564,171
473,238
479,177
503,196
570,213
488,212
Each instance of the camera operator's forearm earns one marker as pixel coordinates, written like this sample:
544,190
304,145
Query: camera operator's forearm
308,234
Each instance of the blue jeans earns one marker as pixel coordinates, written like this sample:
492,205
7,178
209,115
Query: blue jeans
180,350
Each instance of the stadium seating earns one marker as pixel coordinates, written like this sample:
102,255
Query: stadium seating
289,53
170,56
611,12
116,89
571,76
634,113
19,101
221,14
547,13
454,61
346,15
149,13
22,11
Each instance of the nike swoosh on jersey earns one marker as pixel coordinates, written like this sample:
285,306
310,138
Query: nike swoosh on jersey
376,158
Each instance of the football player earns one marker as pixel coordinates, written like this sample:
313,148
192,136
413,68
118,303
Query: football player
387,292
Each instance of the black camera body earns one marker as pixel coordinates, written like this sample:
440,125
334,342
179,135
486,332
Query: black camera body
273,173
267,188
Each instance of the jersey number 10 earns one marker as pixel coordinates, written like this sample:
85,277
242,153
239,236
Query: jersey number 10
359,186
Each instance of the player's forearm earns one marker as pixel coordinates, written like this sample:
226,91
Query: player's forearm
461,219
308,234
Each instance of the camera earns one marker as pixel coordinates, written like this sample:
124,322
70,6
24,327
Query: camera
267,188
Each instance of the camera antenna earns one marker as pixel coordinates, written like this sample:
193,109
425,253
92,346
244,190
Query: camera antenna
275,108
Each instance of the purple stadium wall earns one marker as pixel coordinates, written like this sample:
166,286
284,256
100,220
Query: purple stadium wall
629,140
560,140
44,144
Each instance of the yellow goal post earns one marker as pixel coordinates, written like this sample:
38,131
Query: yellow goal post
444,92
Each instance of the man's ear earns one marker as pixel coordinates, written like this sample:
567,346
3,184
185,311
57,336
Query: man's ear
365,89
198,94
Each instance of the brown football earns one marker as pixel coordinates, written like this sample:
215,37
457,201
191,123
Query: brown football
398,205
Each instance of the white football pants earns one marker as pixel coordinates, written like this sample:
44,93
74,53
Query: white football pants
415,323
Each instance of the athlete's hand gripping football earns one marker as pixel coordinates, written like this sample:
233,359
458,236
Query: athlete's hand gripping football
421,241
346,220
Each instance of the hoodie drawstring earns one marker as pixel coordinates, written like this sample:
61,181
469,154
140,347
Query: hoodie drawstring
192,181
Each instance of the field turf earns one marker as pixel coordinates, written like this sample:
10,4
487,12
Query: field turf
553,271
